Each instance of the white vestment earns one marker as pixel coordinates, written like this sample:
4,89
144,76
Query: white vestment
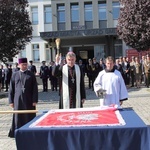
114,85
65,87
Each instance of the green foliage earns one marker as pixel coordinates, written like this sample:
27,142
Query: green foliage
134,23
15,28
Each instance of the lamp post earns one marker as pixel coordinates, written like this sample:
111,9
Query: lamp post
57,41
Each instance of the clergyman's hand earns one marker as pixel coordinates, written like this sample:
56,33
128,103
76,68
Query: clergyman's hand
34,104
121,102
83,100
11,105
57,58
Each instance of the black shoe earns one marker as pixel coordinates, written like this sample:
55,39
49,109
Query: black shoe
6,90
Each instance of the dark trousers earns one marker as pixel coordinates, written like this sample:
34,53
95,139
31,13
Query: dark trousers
143,78
45,84
127,78
2,81
6,83
132,78
54,83
90,81
147,77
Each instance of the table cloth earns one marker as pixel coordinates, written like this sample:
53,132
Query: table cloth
134,135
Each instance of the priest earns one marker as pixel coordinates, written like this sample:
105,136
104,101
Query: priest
112,82
23,95
72,89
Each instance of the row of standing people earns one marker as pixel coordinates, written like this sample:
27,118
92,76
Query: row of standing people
5,76
7,70
136,71
92,68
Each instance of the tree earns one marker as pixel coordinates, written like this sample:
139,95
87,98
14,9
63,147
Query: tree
134,23
15,28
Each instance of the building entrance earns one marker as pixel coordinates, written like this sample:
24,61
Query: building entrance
84,53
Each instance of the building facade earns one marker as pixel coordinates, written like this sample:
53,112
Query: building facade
86,27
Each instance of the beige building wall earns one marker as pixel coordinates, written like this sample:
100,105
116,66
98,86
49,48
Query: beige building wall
41,27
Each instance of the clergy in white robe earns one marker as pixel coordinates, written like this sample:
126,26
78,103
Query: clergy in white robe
71,79
111,80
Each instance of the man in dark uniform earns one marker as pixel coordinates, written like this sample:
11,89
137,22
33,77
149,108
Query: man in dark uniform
89,68
3,75
23,95
82,66
16,68
7,76
32,67
72,90
44,75
52,78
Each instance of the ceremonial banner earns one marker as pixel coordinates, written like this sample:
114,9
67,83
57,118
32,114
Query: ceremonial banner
80,117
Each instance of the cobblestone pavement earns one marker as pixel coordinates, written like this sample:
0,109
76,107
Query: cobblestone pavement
139,100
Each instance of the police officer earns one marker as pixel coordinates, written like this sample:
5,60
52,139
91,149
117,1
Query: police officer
44,75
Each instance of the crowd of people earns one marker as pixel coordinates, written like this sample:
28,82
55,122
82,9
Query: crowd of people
68,75
7,70
135,72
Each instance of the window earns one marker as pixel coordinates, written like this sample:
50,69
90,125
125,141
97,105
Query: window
118,50
88,12
116,10
23,53
36,56
102,10
74,12
61,13
48,14
34,14
48,52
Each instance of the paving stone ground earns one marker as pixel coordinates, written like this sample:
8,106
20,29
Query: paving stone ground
139,100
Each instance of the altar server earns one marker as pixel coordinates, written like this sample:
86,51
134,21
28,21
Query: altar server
23,95
111,80
72,89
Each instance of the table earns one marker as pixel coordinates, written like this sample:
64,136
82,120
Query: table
135,135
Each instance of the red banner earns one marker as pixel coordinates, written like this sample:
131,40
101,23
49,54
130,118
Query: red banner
81,117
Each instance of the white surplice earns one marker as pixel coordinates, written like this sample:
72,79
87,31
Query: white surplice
114,85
